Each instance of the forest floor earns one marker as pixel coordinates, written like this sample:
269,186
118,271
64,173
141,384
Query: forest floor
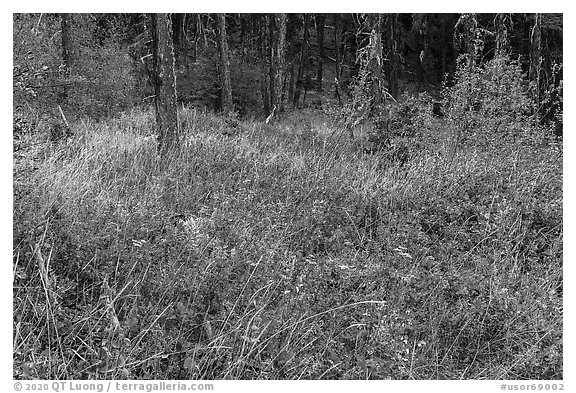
285,251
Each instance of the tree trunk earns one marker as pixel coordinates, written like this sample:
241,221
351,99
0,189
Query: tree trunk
303,58
66,21
535,60
243,33
392,45
264,74
183,38
535,53
446,39
338,43
292,82
255,26
291,55
320,20
225,85
270,53
164,83
418,36
280,61
197,29
375,66
468,24
501,34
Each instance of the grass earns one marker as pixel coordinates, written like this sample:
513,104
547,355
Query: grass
285,252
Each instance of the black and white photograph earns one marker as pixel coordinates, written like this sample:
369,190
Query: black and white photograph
287,196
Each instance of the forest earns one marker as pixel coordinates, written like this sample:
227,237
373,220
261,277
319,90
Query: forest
288,196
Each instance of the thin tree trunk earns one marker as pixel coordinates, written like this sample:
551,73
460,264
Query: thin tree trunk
164,83
536,69
183,38
197,32
303,58
320,21
535,54
376,61
337,47
291,55
225,84
66,21
265,75
337,43
446,39
243,33
418,36
270,53
469,25
280,62
255,26
392,44
501,34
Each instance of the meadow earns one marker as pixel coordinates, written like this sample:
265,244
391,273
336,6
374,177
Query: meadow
285,251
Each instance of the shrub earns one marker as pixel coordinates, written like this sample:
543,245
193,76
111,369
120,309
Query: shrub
101,82
489,101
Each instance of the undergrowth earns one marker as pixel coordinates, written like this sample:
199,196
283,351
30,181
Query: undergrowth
285,252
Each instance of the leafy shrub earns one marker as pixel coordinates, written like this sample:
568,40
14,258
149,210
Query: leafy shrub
104,82
101,82
489,100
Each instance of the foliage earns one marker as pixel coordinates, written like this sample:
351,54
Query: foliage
105,83
100,83
368,91
551,107
35,58
489,101
428,247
